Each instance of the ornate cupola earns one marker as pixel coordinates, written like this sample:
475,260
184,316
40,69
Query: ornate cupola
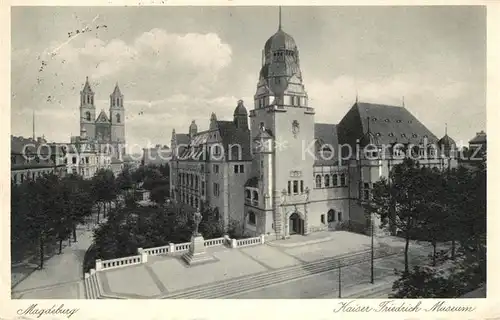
446,143
240,116
280,78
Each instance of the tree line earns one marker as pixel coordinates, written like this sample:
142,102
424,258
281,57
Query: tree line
437,206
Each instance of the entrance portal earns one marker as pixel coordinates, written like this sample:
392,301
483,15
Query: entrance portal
296,224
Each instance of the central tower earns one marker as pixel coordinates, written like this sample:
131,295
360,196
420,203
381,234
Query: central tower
281,111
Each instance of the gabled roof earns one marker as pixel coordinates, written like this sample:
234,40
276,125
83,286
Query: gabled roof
325,135
389,124
102,117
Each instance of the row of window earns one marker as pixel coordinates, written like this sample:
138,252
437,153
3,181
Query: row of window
252,195
28,176
332,217
89,99
389,120
239,168
189,199
324,181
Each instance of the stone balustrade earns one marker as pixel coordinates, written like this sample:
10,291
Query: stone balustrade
214,242
182,246
117,263
171,248
250,241
157,250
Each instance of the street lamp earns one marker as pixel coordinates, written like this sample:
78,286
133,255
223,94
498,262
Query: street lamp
340,281
372,249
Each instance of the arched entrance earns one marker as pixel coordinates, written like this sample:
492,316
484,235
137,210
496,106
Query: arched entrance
296,224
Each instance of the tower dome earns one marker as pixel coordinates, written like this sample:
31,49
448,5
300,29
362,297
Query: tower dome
280,41
240,109
446,141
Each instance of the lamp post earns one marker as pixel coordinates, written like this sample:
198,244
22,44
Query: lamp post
340,281
372,250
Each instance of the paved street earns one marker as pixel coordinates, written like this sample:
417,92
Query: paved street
354,279
61,277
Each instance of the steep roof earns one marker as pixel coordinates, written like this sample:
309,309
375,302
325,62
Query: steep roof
479,138
86,87
389,124
236,136
116,91
325,135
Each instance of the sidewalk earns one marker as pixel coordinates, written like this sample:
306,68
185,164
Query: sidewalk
60,272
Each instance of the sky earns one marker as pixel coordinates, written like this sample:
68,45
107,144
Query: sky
178,64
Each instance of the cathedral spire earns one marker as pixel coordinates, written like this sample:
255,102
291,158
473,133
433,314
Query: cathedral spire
279,19
445,129
34,137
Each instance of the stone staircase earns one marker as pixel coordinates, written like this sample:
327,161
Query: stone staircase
232,287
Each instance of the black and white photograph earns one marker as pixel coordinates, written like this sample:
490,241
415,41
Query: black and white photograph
248,152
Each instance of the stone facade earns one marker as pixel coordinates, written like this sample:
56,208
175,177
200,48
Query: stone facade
292,176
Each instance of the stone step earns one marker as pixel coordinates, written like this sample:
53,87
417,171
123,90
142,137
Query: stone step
242,284
96,286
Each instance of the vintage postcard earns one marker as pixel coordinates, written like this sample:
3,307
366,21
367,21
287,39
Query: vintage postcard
336,154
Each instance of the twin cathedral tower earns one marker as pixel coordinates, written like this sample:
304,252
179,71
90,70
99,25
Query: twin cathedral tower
104,129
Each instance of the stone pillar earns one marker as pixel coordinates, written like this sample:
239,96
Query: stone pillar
98,265
262,239
234,244
278,224
306,220
92,271
286,218
143,254
171,247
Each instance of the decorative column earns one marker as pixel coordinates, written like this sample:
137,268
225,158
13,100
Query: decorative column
306,214
278,224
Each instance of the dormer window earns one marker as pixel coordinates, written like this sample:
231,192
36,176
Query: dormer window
386,120
398,121
414,135
391,134
374,119
403,135
409,121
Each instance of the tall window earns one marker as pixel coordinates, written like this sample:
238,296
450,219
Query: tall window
295,186
118,118
87,116
216,189
251,218
339,215
331,215
342,179
255,196
289,187
301,186
216,168
327,181
335,180
318,181
203,188
366,191
242,168
248,194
